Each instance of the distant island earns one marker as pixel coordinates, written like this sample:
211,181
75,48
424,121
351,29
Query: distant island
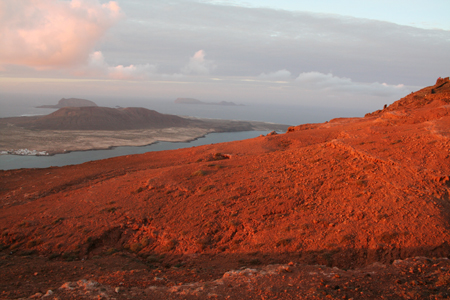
95,127
196,101
70,102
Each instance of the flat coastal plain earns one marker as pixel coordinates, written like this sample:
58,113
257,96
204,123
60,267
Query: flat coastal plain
15,137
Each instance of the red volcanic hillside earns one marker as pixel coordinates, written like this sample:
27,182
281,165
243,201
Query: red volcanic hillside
216,220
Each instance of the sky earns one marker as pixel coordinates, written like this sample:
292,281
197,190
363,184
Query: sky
317,53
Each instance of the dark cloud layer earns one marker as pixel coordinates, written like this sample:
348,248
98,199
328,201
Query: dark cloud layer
251,41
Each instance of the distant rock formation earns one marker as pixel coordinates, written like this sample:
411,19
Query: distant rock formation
188,101
70,102
196,101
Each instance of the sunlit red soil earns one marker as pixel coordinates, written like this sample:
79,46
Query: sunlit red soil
321,211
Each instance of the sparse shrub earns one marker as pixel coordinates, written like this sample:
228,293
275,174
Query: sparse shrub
207,188
305,226
112,209
135,247
57,221
396,142
234,214
154,258
348,238
145,242
109,209
204,241
138,190
382,216
361,182
33,243
255,261
69,256
15,246
170,245
283,242
443,280
218,156
54,255
199,173
234,222
25,224
387,237
28,252
111,251
216,166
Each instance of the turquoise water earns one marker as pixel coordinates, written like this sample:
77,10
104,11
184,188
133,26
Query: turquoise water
8,162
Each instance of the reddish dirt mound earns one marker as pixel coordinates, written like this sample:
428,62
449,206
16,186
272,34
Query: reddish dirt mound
345,194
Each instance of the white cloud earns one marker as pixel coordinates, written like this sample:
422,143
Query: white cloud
46,34
132,71
280,74
329,82
98,67
199,65
320,80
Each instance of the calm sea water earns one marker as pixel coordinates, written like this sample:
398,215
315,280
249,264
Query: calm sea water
25,105
8,162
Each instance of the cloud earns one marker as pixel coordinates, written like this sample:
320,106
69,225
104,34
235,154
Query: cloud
198,64
329,82
98,67
281,74
49,34
247,41
132,71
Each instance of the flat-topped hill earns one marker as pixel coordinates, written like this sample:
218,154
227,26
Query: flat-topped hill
70,102
105,118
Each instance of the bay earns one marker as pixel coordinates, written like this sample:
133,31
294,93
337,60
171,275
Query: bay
9,162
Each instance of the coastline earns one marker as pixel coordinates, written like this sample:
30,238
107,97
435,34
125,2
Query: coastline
27,142
51,142
10,162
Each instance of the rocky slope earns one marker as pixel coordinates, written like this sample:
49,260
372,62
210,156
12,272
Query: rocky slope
335,204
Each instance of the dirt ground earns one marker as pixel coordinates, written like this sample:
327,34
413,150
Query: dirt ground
351,208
